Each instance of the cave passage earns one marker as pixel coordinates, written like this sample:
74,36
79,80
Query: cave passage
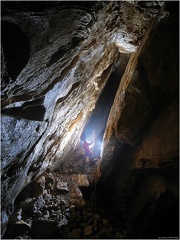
97,122
95,127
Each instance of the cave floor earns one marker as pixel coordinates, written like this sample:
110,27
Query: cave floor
62,204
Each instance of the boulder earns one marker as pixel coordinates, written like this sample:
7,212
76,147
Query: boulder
76,197
62,188
39,186
81,180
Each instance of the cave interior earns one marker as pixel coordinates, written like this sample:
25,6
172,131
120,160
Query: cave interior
105,72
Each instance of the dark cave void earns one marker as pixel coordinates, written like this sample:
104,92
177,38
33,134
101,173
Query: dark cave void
16,48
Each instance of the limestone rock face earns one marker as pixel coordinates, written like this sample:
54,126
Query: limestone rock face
51,85
140,148
160,144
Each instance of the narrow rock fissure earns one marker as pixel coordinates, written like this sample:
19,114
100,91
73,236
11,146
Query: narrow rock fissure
95,127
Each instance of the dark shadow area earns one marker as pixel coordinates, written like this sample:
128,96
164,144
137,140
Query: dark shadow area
107,187
118,191
86,5
172,7
34,113
26,6
16,48
86,192
56,56
165,220
38,6
31,110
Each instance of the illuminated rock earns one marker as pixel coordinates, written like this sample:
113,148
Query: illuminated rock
61,187
76,197
81,180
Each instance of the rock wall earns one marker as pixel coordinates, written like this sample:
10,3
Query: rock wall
71,51
140,153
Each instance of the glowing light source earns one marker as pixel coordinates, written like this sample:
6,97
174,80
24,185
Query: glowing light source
89,137
96,146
